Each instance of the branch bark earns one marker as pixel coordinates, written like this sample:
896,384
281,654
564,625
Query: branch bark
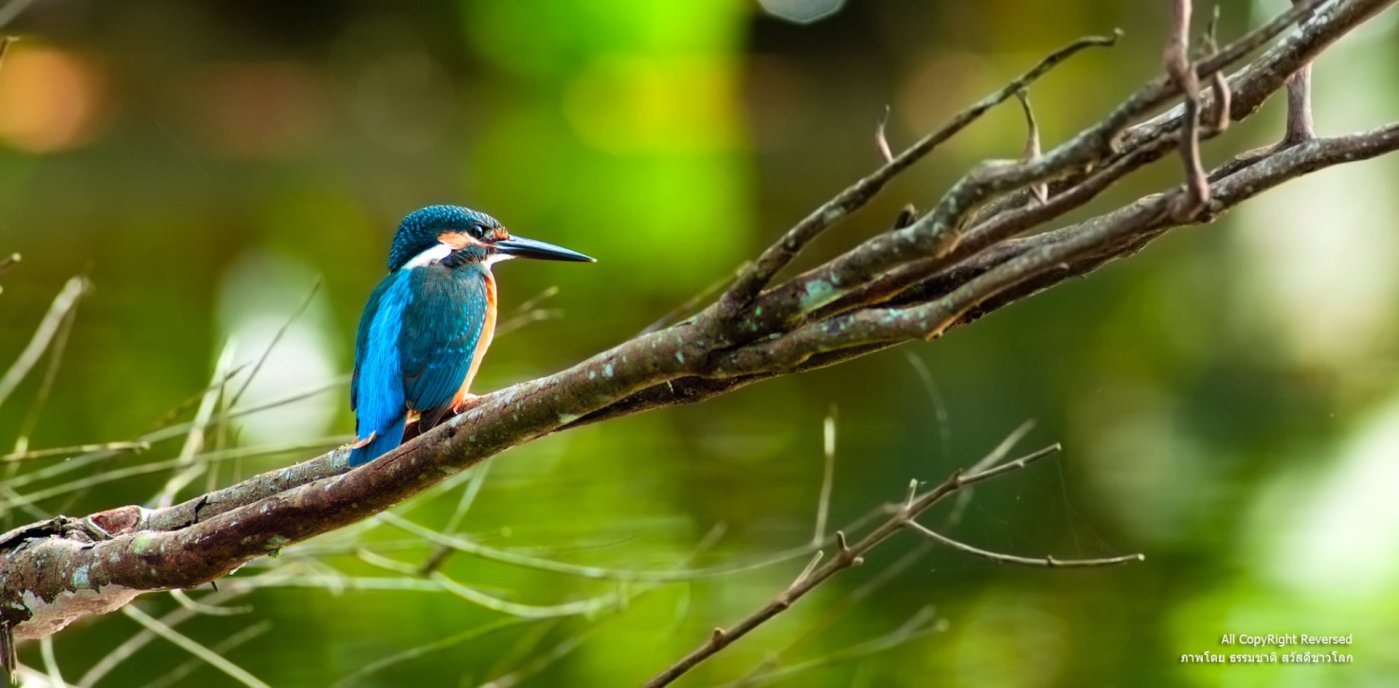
964,258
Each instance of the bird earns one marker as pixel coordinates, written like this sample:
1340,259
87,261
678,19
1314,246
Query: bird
428,324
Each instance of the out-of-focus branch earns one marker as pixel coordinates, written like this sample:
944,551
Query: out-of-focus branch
952,264
849,554
64,302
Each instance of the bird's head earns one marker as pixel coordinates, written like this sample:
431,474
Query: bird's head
459,235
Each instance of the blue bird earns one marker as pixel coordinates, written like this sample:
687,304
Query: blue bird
427,325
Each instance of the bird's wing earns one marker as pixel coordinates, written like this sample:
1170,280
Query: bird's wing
376,389
366,323
443,326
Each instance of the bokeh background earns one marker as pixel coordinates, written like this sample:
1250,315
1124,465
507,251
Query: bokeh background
1226,400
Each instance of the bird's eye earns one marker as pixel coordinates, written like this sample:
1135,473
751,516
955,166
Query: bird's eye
476,230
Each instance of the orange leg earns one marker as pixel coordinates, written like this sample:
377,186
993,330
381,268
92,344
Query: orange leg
464,402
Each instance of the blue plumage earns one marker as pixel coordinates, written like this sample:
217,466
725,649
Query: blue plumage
376,393
429,322
450,309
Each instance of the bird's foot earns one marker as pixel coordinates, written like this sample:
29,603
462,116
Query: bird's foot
360,443
465,403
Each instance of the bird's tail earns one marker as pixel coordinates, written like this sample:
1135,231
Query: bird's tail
384,440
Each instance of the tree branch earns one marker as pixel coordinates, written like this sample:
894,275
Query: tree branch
953,264
847,555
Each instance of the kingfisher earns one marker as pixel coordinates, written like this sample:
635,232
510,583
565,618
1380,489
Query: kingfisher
427,325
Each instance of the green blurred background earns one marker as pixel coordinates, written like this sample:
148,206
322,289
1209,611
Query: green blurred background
1226,400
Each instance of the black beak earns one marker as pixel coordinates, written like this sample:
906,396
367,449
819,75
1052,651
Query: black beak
529,248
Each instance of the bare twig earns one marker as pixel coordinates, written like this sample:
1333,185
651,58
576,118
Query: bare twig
204,608
8,659
468,497
276,338
595,572
528,312
65,452
823,505
1048,561
769,670
1219,86
777,256
689,305
1178,65
65,301
525,611
424,650
46,654
881,138
189,645
1040,190
133,643
539,661
847,554
1299,97
194,441
31,416
174,676
922,624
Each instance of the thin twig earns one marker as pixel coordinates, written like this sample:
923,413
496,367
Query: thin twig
9,661
115,474
528,313
468,497
590,605
881,138
922,624
846,556
276,338
823,504
200,607
65,301
66,452
1178,65
539,661
174,676
31,417
776,257
194,441
51,663
133,643
1039,190
769,669
689,305
596,572
1299,98
1219,85
189,645
424,650
1048,561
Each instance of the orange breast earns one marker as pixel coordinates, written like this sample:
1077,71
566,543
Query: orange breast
483,343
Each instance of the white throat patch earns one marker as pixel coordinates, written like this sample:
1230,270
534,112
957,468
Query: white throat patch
433,255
